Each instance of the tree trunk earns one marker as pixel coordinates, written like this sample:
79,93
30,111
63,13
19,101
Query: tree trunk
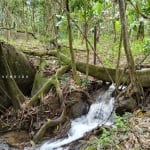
16,76
95,43
86,34
75,75
140,32
130,61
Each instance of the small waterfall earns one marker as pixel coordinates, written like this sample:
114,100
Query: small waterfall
100,113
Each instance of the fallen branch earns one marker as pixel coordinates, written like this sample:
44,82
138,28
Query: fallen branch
76,49
6,28
30,33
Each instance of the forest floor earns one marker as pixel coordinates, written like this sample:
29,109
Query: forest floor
135,137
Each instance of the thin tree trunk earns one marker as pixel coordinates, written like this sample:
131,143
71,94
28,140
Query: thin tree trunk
86,34
130,61
73,64
114,20
117,80
95,43
140,32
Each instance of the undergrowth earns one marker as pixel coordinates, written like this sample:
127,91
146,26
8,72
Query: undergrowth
111,138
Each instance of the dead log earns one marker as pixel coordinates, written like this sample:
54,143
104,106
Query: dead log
99,72
30,33
6,28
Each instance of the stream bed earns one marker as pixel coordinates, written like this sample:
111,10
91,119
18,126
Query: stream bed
100,113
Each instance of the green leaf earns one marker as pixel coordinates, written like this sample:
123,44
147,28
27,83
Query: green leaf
117,25
97,8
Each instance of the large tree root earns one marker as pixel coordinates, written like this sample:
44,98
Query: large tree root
53,81
48,124
13,91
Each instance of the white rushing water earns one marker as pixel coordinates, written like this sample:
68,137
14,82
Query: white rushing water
99,113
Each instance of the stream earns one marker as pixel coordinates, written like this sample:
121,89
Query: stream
100,113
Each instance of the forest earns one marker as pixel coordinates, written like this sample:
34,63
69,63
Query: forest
74,74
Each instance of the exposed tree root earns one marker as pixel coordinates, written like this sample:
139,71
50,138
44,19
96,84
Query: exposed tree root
53,81
48,124
14,92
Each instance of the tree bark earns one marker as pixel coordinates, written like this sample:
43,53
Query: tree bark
14,92
16,76
75,75
130,61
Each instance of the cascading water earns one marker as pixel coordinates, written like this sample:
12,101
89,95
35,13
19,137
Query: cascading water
100,113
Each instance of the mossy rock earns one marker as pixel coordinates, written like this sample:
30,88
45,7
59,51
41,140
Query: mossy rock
22,72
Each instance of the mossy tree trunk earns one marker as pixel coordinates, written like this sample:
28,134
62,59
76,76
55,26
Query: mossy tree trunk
13,91
75,75
16,77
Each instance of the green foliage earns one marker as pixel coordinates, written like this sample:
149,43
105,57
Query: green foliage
93,147
147,47
122,122
117,25
84,82
97,8
109,137
106,138
64,78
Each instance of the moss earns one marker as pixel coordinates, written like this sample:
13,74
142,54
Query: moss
93,147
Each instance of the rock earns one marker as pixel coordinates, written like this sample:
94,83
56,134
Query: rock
22,72
79,109
77,105
15,139
4,145
125,104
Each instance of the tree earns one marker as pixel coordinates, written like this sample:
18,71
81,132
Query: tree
73,64
134,85
14,92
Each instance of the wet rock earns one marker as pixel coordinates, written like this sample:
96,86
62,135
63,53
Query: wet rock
77,104
15,139
125,104
4,145
79,109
